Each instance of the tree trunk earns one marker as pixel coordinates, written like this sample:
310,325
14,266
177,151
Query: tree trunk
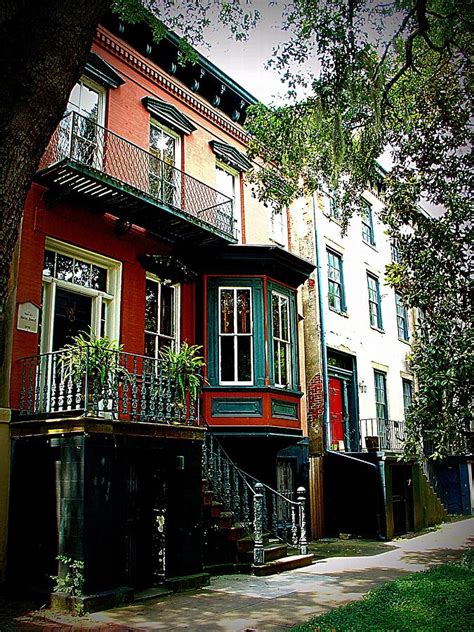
43,48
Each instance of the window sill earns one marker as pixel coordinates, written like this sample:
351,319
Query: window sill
406,342
373,246
344,314
381,331
240,389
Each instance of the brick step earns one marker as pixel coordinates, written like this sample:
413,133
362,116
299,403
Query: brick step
271,552
234,533
226,519
283,564
207,498
216,508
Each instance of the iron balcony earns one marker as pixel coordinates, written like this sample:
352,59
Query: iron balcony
87,161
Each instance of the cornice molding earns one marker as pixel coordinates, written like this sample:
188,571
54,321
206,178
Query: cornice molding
114,46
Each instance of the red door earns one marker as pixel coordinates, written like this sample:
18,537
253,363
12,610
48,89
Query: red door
336,410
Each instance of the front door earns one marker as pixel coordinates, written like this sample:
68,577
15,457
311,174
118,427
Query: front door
337,412
72,315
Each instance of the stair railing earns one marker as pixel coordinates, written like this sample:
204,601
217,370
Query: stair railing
256,506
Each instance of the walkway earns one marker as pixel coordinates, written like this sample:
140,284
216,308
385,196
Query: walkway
274,604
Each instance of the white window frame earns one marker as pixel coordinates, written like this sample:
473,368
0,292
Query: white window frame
277,236
112,296
177,153
235,335
236,200
176,315
282,341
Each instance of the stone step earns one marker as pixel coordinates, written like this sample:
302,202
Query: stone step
283,564
151,593
273,551
234,533
245,545
216,508
207,498
226,519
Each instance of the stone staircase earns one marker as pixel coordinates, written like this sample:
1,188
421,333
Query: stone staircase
242,531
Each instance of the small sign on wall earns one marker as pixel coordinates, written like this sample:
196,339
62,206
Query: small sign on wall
28,318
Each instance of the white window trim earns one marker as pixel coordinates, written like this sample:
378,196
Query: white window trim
112,295
177,154
235,288
236,202
280,240
177,308
288,342
102,92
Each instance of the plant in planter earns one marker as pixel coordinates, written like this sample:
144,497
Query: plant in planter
183,368
95,363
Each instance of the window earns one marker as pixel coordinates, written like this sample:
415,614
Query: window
281,340
331,207
235,335
83,132
161,317
336,296
81,292
402,318
165,179
278,225
375,305
227,182
367,225
394,252
407,395
381,406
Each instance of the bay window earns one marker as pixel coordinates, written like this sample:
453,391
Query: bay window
281,340
235,335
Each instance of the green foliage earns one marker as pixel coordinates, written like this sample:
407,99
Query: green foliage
184,369
96,357
72,581
435,600
393,78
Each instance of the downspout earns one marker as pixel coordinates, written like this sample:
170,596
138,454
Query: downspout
317,249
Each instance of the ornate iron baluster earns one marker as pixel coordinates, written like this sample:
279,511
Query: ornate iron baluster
245,503
143,404
258,552
54,369
152,396
226,485
236,493
23,387
294,527
61,385
115,385
134,411
168,398
274,513
160,392
37,386
302,510
69,385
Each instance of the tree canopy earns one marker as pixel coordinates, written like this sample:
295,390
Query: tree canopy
391,77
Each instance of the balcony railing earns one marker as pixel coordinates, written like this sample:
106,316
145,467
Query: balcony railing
81,141
116,386
382,434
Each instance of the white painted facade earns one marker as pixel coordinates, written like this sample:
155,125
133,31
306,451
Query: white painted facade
351,332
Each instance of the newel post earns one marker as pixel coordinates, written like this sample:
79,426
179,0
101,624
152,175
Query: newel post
258,557
302,511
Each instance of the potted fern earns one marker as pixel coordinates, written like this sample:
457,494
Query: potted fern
183,368
94,363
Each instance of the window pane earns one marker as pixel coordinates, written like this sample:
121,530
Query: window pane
49,258
150,345
151,306
98,278
276,317
244,366
276,362
227,311
227,359
64,268
167,310
243,311
82,273
89,104
225,182
285,334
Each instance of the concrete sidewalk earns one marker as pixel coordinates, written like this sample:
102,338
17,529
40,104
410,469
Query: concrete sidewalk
235,603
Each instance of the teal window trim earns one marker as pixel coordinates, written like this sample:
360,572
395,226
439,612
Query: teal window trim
402,318
381,402
368,224
375,302
275,288
336,291
258,328
407,395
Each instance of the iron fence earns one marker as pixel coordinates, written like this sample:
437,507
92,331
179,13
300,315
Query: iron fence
110,384
382,434
82,140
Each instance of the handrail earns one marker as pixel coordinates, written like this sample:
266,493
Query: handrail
85,142
269,510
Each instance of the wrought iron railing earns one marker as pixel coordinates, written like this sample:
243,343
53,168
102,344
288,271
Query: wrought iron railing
115,385
382,434
255,506
82,140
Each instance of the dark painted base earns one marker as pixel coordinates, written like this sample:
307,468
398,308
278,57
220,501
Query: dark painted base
64,602
188,582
